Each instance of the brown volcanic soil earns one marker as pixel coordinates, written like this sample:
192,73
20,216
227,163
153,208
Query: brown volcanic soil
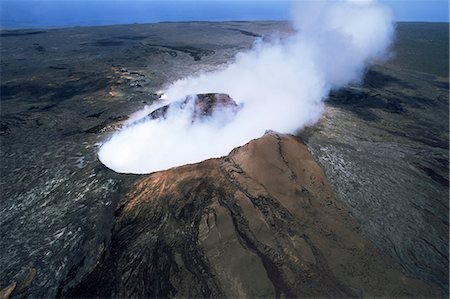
261,222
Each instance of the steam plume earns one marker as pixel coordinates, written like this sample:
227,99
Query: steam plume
281,83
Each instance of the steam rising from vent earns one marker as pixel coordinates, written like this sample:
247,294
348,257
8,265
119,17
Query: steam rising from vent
281,85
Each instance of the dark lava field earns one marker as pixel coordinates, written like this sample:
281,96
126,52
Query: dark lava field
354,206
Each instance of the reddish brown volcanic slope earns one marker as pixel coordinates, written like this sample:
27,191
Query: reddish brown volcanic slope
261,222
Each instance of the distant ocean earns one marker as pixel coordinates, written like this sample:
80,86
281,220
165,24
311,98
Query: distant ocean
68,13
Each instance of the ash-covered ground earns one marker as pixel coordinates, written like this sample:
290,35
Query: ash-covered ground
383,144
384,147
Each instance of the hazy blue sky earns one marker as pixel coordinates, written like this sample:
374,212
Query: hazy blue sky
62,13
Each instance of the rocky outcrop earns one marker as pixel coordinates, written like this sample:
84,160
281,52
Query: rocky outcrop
201,106
261,222
6,292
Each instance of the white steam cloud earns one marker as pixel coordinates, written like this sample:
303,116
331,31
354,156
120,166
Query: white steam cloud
281,85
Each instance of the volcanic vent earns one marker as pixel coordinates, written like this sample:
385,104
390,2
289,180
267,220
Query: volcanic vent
201,106
174,128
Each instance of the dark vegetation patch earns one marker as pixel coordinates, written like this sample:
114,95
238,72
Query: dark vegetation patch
96,115
55,67
131,37
154,50
108,42
366,114
20,33
375,79
444,85
355,100
36,90
10,122
420,101
443,162
4,128
40,48
417,134
373,95
43,108
196,53
244,32
434,175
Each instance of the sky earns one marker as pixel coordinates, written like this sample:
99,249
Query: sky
66,13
